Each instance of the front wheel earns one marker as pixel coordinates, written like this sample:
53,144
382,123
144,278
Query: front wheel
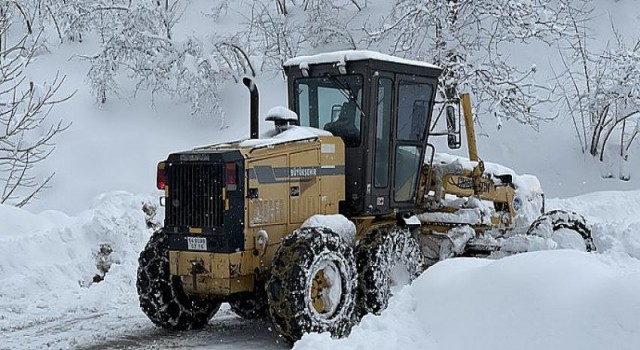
312,284
161,295
568,229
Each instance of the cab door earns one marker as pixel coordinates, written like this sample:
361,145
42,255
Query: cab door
379,185
414,97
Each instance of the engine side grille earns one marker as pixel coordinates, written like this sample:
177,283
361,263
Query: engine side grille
195,195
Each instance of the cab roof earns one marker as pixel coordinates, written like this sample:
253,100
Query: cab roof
357,60
354,55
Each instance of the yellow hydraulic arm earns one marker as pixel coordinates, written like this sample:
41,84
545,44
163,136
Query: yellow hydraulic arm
465,100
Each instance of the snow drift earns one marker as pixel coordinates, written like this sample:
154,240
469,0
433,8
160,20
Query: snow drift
48,261
542,300
559,299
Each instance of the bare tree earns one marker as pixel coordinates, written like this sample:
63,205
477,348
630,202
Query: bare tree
468,39
26,133
601,92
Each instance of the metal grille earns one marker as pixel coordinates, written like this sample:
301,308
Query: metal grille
195,195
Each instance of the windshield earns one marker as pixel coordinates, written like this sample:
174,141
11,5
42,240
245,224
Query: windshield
332,103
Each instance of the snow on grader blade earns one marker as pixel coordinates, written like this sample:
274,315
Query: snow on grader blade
322,219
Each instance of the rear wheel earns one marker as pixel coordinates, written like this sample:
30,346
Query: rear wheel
568,229
312,284
388,258
161,295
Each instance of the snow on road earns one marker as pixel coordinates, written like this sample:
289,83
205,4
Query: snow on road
541,300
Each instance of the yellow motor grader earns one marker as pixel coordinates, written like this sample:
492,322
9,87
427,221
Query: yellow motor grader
344,201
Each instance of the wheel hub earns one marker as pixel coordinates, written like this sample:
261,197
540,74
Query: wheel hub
326,289
569,239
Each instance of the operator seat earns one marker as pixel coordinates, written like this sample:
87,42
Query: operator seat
345,126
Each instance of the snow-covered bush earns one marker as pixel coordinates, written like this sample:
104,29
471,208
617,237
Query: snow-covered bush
602,95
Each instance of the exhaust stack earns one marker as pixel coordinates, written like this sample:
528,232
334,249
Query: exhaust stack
254,109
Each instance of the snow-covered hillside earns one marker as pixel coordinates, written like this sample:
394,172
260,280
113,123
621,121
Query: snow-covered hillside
540,300
116,146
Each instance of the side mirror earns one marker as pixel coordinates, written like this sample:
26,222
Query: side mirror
453,127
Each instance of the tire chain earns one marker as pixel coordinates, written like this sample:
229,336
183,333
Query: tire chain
161,296
288,285
376,254
559,219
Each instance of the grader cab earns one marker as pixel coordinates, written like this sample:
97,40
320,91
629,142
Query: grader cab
317,224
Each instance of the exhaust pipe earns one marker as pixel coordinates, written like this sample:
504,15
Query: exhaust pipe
255,121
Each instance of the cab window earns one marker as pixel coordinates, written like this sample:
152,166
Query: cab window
413,106
332,103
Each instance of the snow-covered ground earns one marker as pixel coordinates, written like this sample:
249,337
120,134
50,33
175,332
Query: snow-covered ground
543,300
540,300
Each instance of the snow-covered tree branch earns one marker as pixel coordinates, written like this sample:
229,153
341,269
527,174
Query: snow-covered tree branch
26,133
277,33
468,39
602,96
137,41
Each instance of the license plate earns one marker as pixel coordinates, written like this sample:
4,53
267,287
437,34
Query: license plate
197,243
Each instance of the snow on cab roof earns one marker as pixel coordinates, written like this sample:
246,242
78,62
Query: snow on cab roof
353,55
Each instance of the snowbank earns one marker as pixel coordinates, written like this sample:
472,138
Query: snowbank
48,261
558,299
542,300
615,216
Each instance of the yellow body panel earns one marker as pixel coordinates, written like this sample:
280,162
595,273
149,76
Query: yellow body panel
221,273
294,181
